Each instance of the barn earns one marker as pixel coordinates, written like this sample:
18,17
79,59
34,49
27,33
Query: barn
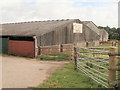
103,35
25,38
101,32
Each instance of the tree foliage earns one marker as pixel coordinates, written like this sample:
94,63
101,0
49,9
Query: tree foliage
114,33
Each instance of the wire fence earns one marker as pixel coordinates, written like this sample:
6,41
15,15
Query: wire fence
97,63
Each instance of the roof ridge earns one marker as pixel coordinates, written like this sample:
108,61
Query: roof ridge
40,21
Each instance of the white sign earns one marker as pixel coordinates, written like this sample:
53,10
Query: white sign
77,28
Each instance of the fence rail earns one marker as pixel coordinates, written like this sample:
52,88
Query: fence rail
98,63
54,49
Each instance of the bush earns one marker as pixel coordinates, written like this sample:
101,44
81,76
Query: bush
116,85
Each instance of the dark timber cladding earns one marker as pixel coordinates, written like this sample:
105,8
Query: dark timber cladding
22,46
65,35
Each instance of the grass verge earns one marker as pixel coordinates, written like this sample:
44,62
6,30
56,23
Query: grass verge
68,78
64,56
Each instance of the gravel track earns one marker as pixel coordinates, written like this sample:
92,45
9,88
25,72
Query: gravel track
18,72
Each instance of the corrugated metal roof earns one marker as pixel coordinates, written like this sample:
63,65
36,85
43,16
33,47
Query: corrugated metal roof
34,28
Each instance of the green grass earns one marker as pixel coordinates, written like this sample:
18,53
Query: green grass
64,56
103,45
118,57
68,78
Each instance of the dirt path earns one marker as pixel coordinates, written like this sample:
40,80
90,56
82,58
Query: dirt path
20,72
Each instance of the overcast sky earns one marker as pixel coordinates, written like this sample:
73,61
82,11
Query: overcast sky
101,12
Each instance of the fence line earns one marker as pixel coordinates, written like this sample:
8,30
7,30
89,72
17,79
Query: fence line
91,57
102,70
54,49
94,78
94,69
93,72
97,65
93,49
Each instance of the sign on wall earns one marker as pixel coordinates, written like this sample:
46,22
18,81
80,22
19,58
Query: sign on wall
77,28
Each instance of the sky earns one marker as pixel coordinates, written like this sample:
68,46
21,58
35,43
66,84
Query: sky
101,12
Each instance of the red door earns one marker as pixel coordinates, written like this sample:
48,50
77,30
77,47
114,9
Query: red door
22,48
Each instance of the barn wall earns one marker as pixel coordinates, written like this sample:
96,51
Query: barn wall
4,45
67,47
57,37
81,44
55,48
65,35
103,35
64,47
49,49
21,48
87,36
62,35
97,43
85,44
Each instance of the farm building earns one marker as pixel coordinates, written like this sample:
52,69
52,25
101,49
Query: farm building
25,38
101,32
103,35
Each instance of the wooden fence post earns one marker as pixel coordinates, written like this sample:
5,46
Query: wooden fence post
61,48
112,65
87,44
119,47
39,49
75,58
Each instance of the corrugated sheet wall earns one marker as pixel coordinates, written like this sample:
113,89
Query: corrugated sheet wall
66,36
